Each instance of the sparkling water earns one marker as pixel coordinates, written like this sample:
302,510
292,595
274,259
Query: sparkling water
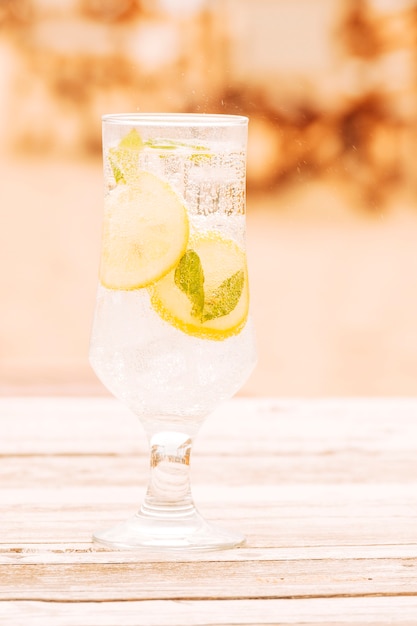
150,365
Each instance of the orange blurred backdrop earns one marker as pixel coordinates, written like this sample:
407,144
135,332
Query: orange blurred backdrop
330,87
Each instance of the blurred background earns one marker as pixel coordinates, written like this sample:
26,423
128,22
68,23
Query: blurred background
330,87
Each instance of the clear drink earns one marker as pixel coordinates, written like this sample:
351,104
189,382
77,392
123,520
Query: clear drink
148,363
172,336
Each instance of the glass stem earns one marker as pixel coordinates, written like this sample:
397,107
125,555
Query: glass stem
169,493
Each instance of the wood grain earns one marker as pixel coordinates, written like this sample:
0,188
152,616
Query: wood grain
311,578
325,491
372,611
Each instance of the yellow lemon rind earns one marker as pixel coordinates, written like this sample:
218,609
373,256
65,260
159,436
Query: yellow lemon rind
199,331
219,328
119,268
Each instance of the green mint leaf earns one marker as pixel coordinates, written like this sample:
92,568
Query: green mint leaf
225,298
171,144
189,277
117,172
160,144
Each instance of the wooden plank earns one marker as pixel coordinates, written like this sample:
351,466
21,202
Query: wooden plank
372,611
62,525
68,425
326,492
88,553
292,533
323,497
130,470
103,425
270,516
226,579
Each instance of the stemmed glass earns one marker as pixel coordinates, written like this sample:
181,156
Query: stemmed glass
172,337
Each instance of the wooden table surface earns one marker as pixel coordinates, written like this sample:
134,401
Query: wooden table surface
325,491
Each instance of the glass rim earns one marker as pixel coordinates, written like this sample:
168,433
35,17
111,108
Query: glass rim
175,119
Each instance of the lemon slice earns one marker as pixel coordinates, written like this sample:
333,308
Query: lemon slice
145,233
207,294
124,160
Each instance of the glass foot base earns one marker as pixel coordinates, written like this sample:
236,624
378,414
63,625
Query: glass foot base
192,532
